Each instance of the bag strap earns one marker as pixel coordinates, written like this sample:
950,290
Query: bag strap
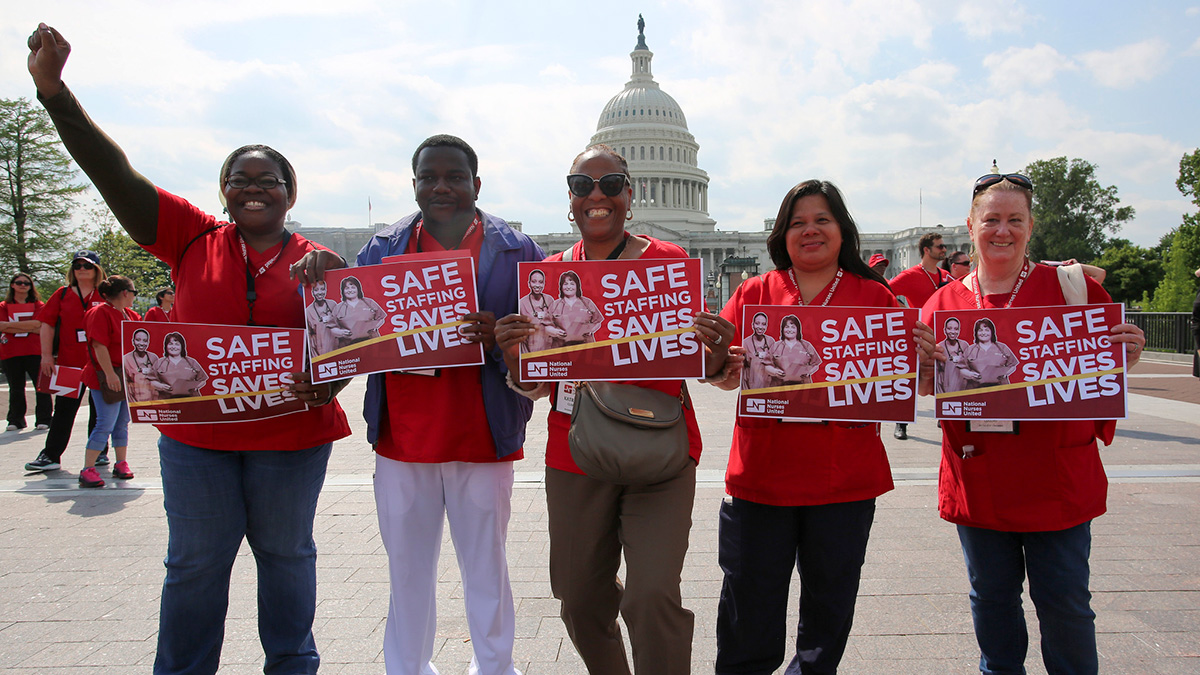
1073,283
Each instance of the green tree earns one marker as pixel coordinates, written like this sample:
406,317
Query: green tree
39,191
120,255
1072,212
1133,271
1177,290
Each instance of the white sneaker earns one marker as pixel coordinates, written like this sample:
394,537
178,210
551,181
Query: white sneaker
12,427
42,427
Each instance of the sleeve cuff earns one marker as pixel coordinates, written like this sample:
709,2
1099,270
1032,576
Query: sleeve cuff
538,392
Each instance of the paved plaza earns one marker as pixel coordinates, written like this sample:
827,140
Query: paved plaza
81,570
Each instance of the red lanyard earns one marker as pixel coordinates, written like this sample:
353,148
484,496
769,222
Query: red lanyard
1011,297
251,294
470,229
246,257
837,279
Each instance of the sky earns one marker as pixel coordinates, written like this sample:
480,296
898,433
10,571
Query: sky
901,103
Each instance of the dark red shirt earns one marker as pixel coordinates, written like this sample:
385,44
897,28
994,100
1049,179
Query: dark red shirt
66,305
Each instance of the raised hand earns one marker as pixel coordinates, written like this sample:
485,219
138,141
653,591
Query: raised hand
48,52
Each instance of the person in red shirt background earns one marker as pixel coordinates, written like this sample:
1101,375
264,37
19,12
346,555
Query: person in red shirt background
64,343
20,351
161,312
916,284
103,326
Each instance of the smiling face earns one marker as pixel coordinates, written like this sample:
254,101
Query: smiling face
349,291
174,347
537,283
790,330
141,341
257,210
1000,226
983,333
600,218
813,237
445,188
952,329
760,325
569,288
319,290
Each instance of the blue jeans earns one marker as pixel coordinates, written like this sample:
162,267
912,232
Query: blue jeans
1057,564
112,419
213,499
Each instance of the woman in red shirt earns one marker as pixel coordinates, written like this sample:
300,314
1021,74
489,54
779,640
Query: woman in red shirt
20,352
592,522
1024,499
257,480
803,494
64,343
103,326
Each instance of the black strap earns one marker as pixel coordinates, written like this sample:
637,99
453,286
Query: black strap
616,252
188,245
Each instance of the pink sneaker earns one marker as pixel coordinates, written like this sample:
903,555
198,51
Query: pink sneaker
122,471
90,478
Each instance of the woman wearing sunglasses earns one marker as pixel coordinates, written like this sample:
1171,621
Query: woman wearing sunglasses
803,494
1023,500
20,351
103,326
593,522
257,480
64,343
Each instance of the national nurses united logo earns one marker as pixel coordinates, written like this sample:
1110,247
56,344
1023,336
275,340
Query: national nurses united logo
951,407
148,415
537,369
327,369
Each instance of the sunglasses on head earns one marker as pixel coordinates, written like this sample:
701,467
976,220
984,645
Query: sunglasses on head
21,282
611,185
988,180
82,265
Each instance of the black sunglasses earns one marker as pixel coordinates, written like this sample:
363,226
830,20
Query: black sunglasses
21,282
82,265
964,263
611,185
264,182
988,180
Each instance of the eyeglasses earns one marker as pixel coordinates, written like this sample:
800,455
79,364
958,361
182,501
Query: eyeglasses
132,290
82,265
940,247
988,180
965,263
22,282
611,185
264,182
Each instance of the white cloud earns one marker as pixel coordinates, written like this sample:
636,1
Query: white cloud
1126,66
984,19
1020,67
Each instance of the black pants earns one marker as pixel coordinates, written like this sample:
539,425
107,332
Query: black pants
59,435
16,369
759,544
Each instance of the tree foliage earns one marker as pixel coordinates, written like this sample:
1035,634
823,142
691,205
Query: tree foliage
1133,272
120,255
1177,290
37,180
1072,213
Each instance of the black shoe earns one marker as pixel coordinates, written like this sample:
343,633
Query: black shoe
42,463
901,433
102,460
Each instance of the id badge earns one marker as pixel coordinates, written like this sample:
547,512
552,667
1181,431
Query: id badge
993,426
81,335
564,397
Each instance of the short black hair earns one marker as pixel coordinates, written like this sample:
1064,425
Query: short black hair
927,241
448,141
602,149
289,174
114,286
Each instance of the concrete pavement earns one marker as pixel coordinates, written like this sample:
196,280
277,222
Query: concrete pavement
81,570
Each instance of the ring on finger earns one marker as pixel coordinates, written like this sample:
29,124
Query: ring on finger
718,339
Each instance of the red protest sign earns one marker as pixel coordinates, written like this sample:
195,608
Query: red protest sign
66,381
404,314
189,373
611,319
1032,363
829,363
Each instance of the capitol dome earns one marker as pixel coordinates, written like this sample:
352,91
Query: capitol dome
647,126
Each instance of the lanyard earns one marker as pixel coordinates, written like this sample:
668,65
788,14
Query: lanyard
837,279
936,282
251,295
1011,297
470,229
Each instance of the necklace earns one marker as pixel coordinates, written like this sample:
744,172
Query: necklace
1025,267
837,279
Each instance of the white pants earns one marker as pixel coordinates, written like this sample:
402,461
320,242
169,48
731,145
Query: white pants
412,500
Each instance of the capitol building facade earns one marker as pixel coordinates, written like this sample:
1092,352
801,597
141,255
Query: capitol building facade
670,194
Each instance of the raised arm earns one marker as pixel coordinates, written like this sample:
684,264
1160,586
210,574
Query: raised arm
132,198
